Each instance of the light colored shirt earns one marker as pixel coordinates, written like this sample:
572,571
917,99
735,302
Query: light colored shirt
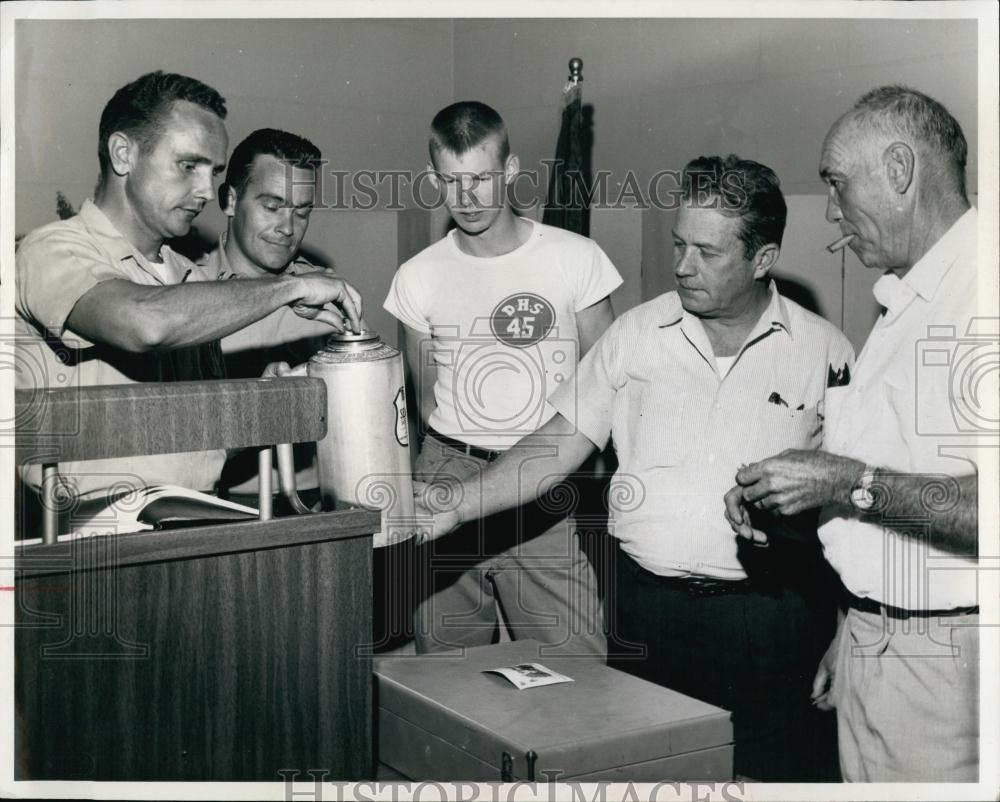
503,328
280,328
910,407
56,265
681,430
281,336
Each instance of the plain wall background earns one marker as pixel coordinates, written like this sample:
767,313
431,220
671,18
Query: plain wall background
661,92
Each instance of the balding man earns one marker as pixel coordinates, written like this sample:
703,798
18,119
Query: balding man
897,480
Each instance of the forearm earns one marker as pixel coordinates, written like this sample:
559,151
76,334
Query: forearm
529,470
138,317
949,502
797,480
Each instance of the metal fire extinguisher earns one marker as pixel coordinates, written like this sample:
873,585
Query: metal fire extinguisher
364,460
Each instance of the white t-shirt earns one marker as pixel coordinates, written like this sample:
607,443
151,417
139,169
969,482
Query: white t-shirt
503,328
724,363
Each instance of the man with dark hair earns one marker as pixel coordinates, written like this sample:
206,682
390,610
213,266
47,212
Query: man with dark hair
139,110
897,479
101,297
742,187
289,149
689,386
268,197
494,316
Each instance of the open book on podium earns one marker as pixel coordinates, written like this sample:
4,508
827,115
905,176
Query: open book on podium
110,422
148,508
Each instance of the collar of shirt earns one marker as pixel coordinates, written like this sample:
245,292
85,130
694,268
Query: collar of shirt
773,318
925,277
172,270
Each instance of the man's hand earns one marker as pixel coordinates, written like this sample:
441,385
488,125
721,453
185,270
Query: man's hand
275,370
739,518
822,690
794,481
320,292
436,506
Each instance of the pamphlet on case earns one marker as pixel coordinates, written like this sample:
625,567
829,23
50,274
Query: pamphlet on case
529,675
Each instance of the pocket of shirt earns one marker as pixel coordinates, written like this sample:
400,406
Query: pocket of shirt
658,432
779,428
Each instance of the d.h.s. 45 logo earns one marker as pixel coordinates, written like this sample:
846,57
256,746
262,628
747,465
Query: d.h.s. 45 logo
522,320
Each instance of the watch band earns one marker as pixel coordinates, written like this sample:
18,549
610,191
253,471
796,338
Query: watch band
861,494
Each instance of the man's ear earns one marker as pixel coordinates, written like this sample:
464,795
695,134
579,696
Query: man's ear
121,151
899,161
432,172
511,167
227,200
765,258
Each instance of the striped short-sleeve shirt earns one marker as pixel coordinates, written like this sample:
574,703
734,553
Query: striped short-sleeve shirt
681,428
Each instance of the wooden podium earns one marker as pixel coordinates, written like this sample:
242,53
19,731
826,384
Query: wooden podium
224,652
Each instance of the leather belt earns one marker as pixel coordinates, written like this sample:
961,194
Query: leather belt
691,584
705,585
866,605
465,448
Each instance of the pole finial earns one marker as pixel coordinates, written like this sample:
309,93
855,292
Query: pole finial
575,70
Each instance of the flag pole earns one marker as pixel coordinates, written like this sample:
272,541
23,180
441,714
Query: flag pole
566,203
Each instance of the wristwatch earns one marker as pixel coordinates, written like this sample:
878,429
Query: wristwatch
861,494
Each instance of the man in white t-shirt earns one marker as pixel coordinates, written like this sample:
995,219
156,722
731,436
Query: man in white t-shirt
496,316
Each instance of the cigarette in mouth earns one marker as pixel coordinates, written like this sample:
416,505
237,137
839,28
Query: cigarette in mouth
840,244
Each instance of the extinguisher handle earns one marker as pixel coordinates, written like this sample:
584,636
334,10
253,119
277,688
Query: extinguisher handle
286,478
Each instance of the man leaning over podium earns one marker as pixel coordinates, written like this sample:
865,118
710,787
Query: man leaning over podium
102,299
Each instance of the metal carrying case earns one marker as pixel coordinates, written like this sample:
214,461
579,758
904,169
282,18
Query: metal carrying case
441,718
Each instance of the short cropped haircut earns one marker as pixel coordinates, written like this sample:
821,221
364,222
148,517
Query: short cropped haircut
462,126
899,111
139,108
739,188
292,149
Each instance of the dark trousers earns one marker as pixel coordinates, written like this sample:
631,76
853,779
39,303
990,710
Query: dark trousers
753,652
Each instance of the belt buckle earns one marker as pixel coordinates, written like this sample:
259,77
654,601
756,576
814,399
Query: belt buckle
710,586
702,586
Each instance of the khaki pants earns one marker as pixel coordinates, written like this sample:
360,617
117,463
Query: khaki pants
907,696
528,562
